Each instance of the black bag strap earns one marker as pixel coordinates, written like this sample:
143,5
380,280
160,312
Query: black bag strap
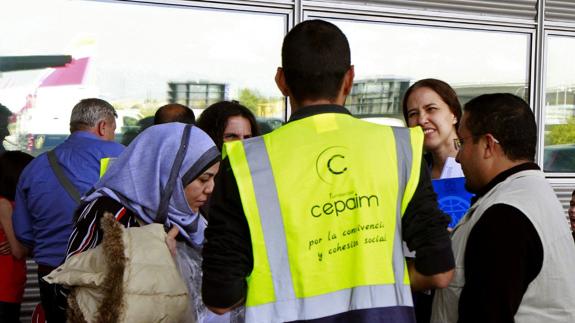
64,181
166,194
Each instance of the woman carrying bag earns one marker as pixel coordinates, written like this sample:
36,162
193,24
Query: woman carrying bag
123,265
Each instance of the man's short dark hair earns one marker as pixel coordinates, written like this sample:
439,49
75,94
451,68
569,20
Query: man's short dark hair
315,58
174,112
506,117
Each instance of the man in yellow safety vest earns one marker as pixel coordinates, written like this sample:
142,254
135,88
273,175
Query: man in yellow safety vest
308,222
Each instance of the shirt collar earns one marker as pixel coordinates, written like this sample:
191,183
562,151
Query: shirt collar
312,110
503,176
83,134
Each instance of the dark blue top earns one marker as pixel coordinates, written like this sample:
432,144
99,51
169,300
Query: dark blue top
44,210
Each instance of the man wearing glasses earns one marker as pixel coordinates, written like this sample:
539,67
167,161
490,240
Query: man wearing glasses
513,250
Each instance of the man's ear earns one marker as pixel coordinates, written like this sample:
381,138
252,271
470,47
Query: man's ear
348,80
281,82
490,145
101,128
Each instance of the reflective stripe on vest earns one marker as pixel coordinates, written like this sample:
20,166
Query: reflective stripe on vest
105,164
275,293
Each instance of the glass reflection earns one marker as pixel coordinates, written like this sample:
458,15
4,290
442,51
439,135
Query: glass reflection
388,58
559,152
138,58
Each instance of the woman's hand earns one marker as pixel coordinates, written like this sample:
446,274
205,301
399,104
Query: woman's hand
171,239
13,246
5,248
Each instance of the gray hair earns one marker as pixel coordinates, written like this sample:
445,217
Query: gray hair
88,112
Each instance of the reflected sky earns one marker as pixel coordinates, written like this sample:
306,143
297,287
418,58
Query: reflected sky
560,66
457,56
137,49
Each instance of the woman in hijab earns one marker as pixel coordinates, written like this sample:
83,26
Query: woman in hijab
167,172
163,176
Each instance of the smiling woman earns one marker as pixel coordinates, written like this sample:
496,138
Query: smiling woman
433,105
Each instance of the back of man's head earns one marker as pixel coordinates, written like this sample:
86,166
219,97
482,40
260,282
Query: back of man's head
315,58
89,112
508,119
174,112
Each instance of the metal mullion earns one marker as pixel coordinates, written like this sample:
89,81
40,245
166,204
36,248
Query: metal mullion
537,101
295,17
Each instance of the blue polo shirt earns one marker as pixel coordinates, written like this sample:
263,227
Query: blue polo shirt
43,216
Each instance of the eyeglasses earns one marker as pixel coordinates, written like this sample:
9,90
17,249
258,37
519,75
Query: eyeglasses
458,142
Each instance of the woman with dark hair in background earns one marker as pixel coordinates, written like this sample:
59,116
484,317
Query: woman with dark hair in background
433,105
12,264
227,121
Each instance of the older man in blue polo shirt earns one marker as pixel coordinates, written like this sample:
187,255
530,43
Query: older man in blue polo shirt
49,188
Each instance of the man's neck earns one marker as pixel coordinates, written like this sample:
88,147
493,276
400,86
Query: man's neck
502,165
295,106
92,130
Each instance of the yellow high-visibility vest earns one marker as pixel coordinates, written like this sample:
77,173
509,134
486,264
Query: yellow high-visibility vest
104,164
324,197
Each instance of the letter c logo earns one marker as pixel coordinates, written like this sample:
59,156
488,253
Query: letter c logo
332,170
332,162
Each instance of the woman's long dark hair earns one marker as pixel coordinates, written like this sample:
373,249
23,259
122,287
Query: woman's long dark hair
12,163
215,118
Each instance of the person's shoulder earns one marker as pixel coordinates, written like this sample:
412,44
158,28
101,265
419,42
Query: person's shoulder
107,204
35,167
114,147
504,221
106,147
98,207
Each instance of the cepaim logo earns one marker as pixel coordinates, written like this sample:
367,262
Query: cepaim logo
332,162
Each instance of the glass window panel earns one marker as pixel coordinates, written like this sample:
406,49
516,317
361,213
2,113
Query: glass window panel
389,57
559,151
137,64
